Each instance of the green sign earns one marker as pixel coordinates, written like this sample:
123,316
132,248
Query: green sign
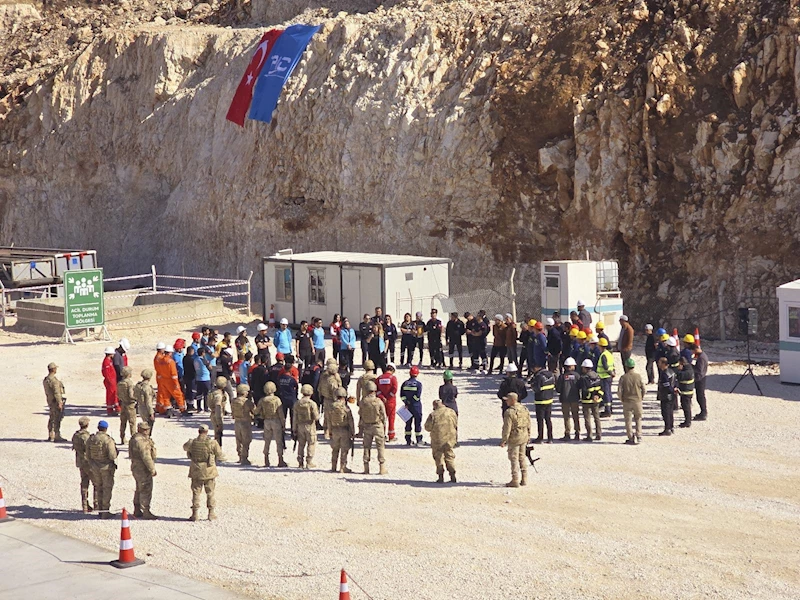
83,299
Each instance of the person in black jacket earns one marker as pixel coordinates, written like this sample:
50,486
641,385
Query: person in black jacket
453,334
553,346
700,370
568,388
685,377
189,374
667,385
544,389
650,352
511,383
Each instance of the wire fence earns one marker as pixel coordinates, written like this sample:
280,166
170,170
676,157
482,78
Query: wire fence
496,294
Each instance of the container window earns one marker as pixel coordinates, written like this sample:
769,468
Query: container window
551,282
409,276
551,269
283,284
794,321
316,286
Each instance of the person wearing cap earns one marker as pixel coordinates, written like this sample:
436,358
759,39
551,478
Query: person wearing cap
511,383
606,372
631,393
498,344
101,452
553,345
121,357
204,454
434,329
544,387
516,435
242,342
584,315
667,389
304,429
387,393
263,344
411,395
126,394
649,352
342,428
79,439
591,396
142,453
372,422
110,381
283,338
685,377
568,388
242,409
512,336
270,410
625,341
442,424
54,392
145,398
478,331
600,331
329,383
453,335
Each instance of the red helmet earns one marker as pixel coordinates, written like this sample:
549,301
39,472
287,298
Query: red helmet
587,331
414,371
279,356
179,344
196,336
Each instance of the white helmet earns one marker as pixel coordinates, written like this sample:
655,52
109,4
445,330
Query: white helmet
593,340
672,342
240,329
126,345
498,317
229,351
109,350
284,321
161,346
550,321
261,327
509,316
580,303
570,362
170,349
511,368
648,327
623,318
419,315
587,363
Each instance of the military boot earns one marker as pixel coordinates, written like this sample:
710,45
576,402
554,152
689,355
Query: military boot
281,462
299,463
524,479
310,464
246,462
384,470
148,516
59,439
453,477
122,440
366,468
266,462
441,476
51,437
514,483
577,437
334,465
345,469
194,515
137,510
212,516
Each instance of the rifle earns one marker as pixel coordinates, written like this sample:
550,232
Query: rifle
528,453
352,446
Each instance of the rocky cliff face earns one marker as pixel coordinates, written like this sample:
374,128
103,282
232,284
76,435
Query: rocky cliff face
662,133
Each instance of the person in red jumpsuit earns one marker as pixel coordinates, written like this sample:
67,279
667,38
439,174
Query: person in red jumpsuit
110,381
387,392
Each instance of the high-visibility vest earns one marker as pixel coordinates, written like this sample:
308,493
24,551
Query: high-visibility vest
605,371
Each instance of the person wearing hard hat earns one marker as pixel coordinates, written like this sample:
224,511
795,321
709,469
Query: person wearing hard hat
498,344
263,344
54,392
411,395
553,345
667,389
606,372
162,376
673,355
580,351
591,396
511,383
631,393
544,387
600,331
584,315
121,357
594,349
625,341
387,392
649,352
283,338
537,346
242,342
568,388
688,348
110,381
516,435
685,376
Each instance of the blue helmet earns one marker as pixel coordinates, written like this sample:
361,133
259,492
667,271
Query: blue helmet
661,331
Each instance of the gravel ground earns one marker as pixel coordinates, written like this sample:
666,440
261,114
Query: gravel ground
712,512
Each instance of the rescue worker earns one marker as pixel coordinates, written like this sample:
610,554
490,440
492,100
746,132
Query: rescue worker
600,331
674,360
304,428
544,387
101,452
453,335
539,346
591,396
516,434
126,394
649,352
287,391
145,399
568,387
270,410
511,383
387,392
169,386
434,329
120,359
700,372
242,342
584,315
329,383
685,377
204,454
242,408
142,452
54,392
215,406
79,439
580,350
498,343
372,419
553,345
661,338
631,393
342,427
667,386
606,372
411,395
442,424
110,381
688,349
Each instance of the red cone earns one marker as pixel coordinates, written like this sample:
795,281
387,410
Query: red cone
697,336
126,555
344,588
676,336
4,515
272,316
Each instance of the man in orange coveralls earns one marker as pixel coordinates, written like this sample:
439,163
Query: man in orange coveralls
167,381
110,381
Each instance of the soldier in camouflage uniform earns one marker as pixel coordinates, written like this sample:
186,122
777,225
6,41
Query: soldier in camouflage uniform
361,388
516,435
372,420
204,453
126,394
142,452
304,427
329,383
242,409
101,452
214,402
442,424
79,439
270,409
54,391
145,399
342,427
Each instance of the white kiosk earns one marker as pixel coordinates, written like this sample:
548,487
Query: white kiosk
564,282
789,329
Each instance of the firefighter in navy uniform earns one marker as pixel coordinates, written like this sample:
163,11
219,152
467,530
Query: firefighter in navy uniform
544,387
411,395
667,384
591,396
568,387
685,377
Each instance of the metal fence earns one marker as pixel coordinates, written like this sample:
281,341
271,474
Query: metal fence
515,290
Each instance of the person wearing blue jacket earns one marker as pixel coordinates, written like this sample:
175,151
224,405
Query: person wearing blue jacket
202,378
347,340
283,339
411,395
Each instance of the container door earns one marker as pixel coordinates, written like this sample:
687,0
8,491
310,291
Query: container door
552,293
351,295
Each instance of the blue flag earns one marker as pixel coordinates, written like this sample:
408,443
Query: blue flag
284,57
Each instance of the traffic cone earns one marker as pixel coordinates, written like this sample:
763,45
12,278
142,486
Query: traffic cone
676,336
126,556
4,515
697,336
272,316
344,589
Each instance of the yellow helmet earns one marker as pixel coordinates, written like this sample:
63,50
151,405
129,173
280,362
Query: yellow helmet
532,323
600,325
581,335
603,342
664,337
688,338
573,332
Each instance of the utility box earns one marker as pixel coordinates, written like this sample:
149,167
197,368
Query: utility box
352,284
596,283
789,330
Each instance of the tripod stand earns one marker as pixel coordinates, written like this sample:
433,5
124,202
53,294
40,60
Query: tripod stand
748,370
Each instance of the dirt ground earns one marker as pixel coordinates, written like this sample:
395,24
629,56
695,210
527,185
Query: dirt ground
712,512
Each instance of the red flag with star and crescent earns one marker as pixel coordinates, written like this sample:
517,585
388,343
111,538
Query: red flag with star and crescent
244,93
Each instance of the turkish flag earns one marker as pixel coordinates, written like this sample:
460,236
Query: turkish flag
244,93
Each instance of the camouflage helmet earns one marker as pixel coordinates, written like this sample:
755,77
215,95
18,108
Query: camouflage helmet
52,366
126,372
221,382
332,366
370,387
83,422
242,389
369,365
270,388
147,373
306,390
341,393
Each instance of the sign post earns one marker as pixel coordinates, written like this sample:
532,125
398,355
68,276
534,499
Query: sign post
83,302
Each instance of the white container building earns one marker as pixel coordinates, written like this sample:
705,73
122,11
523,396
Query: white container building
789,331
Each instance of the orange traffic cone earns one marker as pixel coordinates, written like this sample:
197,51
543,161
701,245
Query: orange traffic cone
126,556
272,316
344,589
697,337
676,336
4,515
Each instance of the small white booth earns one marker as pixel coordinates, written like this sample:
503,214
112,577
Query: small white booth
789,330
564,282
352,284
